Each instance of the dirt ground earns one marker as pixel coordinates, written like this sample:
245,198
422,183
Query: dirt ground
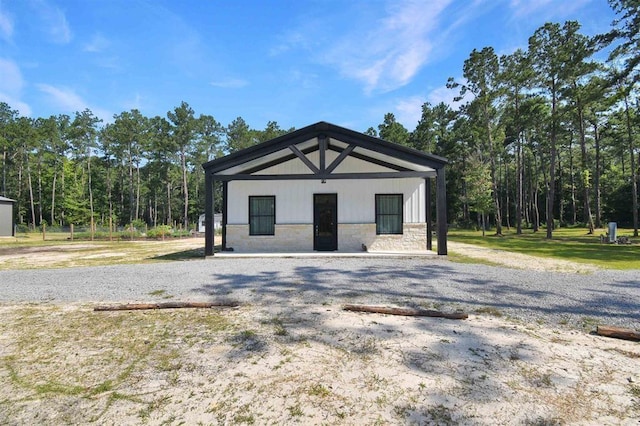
306,364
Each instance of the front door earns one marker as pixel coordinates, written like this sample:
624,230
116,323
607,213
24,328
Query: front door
325,222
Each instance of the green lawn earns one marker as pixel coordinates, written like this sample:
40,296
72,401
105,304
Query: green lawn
572,244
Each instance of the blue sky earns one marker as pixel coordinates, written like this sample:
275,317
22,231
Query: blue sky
295,61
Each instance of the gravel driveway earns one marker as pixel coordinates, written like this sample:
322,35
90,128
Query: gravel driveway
580,300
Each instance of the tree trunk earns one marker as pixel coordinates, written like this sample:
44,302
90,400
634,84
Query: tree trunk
40,201
169,219
596,178
618,333
551,192
519,186
574,198
587,217
185,188
137,216
90,190
53,196
404,311
634,171
31,202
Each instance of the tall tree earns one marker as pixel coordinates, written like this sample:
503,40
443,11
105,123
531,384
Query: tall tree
550,53
183,134
239,136
515,77
482,71
393,131
83,131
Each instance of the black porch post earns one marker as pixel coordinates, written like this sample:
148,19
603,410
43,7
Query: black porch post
209,231
225,192
427,192
441,207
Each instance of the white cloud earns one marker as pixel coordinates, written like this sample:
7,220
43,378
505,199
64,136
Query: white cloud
382,47
387,54
446,95
231,83
69,102
409,111
6,25
11,80
11,85
98,43
54,21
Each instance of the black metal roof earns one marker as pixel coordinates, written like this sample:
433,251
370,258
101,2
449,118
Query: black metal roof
372,149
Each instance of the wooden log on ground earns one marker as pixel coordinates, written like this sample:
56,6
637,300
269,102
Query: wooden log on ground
165,305
618,333
405,311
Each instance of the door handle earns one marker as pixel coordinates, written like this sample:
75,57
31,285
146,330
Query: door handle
316,230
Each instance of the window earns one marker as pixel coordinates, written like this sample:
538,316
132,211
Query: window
388,214
262,215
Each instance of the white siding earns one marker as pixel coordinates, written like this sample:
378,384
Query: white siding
356,199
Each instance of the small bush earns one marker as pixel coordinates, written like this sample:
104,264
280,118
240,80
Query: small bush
160,231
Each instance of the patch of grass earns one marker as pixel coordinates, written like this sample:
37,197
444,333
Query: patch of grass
318,389
634,390
572,244
541,421
63,253
489,310
461,258
440,415
52,358
295,410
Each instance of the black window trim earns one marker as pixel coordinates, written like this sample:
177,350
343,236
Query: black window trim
401,195
273,197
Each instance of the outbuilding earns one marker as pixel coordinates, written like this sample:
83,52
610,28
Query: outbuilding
327,188
6,217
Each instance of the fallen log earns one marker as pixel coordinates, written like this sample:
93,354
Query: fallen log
405,311
165,305
618,333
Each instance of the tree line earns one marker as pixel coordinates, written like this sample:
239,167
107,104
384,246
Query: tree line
544,136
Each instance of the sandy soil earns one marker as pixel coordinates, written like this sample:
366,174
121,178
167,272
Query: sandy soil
306,364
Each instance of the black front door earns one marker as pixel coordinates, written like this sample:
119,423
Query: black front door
325,222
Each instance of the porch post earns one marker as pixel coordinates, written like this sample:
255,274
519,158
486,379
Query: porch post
427,193
441,211
225,192
209,231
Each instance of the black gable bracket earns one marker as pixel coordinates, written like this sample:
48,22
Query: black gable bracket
304,159
340,158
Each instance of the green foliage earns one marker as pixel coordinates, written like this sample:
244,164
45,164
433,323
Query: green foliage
160,232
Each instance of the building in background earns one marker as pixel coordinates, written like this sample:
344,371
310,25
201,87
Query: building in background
7,228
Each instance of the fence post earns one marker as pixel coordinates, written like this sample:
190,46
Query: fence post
44,231
72,232
91,228
110,228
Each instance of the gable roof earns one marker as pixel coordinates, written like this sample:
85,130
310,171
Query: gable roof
323,136
6,199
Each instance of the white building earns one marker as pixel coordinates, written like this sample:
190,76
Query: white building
217,222
326,188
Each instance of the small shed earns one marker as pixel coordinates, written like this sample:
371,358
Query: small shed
6,217
217,222
327,188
